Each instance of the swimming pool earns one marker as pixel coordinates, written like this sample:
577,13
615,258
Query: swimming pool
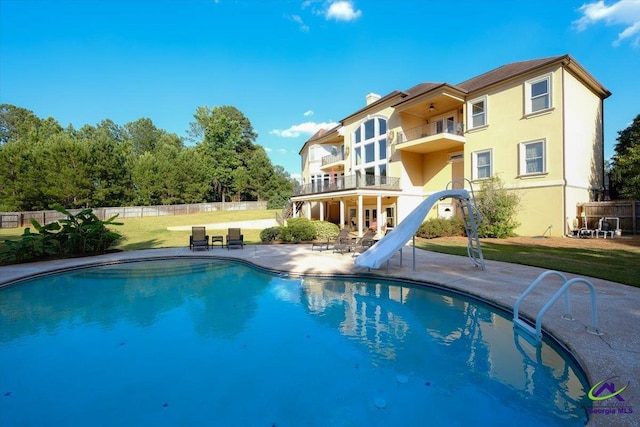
212,342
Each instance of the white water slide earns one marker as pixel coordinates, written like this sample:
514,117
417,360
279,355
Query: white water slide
386,247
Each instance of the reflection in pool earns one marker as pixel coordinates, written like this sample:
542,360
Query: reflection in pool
195,342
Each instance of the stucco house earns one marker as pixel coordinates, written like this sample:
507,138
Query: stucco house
536,124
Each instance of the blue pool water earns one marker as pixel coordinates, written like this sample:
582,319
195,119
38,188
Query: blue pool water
202,342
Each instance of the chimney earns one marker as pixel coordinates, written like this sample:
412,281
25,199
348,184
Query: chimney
372,97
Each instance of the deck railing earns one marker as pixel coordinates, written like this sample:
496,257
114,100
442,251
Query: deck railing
430,129
333,158
349,182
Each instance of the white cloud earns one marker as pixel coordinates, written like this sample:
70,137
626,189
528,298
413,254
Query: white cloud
342,10
267,149
308,113
298,20
282,151
306,128
622,12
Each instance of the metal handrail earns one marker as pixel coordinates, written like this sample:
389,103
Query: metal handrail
563,291
349,182
332,158
430,129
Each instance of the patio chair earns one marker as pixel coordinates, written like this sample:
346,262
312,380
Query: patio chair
353,245
365,242
344,242
198,238
326,244
235,238
604,228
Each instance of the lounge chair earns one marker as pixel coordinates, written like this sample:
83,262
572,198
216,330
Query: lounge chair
585,231
573,229
235,238
199,238
604,228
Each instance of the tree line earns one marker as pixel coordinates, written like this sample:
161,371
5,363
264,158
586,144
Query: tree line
43,164
624,169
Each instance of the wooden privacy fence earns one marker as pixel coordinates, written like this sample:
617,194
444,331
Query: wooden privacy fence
628,211
21,219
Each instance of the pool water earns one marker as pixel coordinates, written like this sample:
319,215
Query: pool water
212,342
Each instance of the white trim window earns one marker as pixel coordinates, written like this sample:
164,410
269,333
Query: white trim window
533,157
370,148
538,94
477,109
482,162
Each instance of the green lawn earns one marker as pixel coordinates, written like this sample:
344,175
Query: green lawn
618,265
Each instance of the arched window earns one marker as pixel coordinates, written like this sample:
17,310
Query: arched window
370,149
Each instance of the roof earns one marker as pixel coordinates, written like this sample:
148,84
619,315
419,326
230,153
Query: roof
423,88
374,104
321,133
505,72
489,78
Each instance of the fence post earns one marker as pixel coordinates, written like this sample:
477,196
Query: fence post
634,204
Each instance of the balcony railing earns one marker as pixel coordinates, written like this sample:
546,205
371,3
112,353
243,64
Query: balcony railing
430,129
333,158
350,182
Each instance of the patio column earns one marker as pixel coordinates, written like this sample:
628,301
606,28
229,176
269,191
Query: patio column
360,214
321,211
309,210
379,218
341,213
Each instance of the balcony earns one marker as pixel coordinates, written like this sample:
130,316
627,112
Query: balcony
432,137
334,161
350,182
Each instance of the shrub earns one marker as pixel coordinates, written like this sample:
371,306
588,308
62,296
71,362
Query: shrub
80,234
270,234
441,227
498,207
325,229
298,230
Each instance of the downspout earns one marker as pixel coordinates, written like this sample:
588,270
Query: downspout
602,149
564,159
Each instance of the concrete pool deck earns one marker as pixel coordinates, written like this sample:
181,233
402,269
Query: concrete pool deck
613,356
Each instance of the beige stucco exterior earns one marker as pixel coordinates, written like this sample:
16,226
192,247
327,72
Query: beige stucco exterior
537,125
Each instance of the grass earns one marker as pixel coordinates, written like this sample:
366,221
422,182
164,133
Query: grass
152,232
618,265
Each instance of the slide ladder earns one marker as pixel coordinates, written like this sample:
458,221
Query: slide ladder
536,333
471,217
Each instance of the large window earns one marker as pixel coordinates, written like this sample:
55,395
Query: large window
538,94
532,157
482,164
370,149
477,112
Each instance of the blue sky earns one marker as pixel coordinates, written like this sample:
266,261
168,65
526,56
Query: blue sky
292,66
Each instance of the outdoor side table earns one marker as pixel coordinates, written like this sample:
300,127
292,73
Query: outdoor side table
219,239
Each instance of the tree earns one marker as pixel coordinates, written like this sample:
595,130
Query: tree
625,167
498,208
226,140
16,123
